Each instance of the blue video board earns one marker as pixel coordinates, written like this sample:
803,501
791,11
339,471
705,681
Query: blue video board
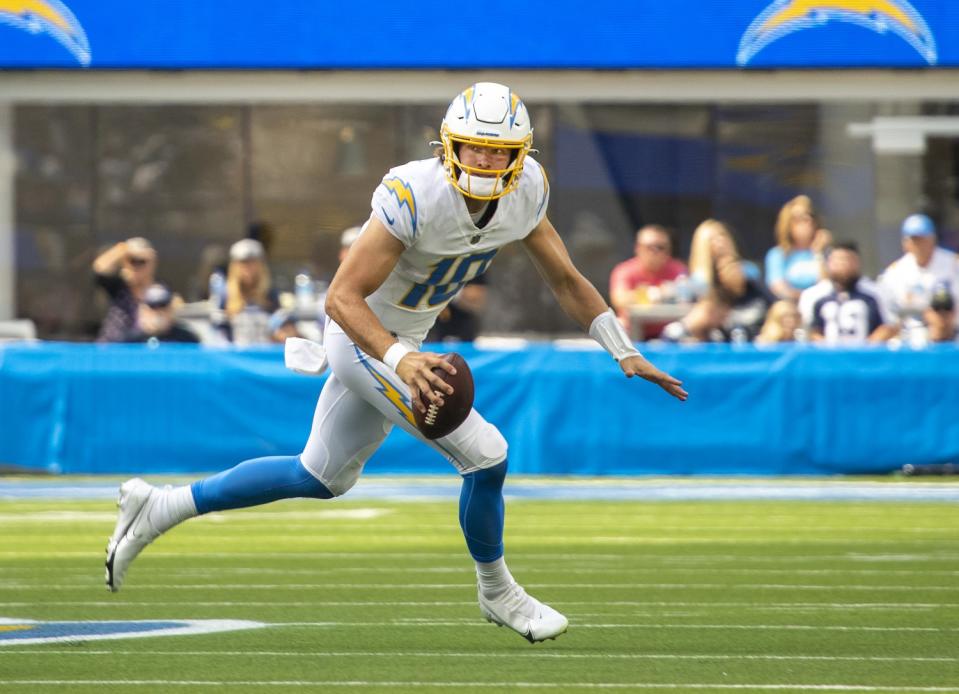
602,34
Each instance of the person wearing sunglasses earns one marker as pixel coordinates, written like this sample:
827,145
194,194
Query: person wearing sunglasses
124,271
641,279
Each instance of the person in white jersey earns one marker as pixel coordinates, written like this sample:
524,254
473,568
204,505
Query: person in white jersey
435,225
908,283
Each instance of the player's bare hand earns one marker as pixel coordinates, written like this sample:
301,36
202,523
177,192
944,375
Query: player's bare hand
416,371
639,366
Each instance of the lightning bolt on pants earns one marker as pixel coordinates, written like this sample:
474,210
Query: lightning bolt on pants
361,402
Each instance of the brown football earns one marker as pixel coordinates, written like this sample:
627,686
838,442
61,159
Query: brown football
438,422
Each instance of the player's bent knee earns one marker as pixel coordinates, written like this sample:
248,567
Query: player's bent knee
337,479
493,444
342,482
488,449
341,488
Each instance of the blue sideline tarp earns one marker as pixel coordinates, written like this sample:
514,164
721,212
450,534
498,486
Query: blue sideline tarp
798,410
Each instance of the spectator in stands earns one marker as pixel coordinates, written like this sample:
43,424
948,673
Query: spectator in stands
783,324
734,299
808,299
263,232
156,320
210,275
940,317
854,312
639,279
282,325
249,300
908,283
124,271
795,262
703,323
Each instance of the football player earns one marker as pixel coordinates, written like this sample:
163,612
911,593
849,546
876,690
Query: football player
435,225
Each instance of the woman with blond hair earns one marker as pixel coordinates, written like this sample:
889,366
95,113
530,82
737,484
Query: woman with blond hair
782,323
734,299
795,263
244,310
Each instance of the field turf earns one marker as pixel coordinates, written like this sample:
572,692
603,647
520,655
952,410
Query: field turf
379,596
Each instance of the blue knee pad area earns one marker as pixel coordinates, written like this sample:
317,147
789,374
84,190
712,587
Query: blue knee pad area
482,512
255,482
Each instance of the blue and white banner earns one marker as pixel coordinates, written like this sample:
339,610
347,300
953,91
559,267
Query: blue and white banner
604,34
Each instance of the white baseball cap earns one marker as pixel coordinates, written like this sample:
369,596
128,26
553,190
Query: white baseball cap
247,249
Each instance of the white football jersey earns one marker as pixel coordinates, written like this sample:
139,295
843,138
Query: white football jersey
908,287
444,248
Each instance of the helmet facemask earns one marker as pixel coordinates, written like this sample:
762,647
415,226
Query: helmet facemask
482,183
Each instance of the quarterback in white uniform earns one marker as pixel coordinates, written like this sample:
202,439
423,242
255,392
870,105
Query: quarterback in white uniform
435,225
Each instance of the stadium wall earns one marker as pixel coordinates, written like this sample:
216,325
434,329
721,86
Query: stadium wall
797,410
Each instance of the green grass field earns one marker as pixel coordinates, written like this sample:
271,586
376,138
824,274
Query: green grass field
379,596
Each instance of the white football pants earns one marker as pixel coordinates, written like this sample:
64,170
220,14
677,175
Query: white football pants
358,406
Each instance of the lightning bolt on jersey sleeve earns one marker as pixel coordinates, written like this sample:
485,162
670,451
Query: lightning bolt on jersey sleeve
394,204
444,249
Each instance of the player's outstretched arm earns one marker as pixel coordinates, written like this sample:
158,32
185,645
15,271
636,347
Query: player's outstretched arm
369,262
584,304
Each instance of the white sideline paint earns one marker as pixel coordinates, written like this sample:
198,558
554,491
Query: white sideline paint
498,655
484,685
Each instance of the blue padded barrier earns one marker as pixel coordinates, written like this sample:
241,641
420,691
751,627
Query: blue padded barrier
798,410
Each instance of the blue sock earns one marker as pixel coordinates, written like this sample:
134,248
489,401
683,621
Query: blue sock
482,512
255,482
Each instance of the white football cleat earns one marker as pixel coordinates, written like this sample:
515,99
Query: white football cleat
134,529
524,614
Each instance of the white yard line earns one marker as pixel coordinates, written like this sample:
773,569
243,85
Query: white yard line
628,585
458,569
650,561
767,607
748,627
498,655
482,684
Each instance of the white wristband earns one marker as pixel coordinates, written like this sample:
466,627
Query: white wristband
608,331
394,354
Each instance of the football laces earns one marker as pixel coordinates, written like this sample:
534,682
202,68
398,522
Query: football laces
431,413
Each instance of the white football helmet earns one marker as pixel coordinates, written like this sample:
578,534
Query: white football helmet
486,114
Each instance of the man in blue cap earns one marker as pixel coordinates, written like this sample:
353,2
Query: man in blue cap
908,282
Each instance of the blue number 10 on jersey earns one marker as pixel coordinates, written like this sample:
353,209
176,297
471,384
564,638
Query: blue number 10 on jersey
446,279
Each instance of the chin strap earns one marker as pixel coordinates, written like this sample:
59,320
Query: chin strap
608,331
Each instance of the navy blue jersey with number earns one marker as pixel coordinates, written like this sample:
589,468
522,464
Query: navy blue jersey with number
849,317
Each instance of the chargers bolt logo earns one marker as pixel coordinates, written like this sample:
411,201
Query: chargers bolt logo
48,17
785,17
